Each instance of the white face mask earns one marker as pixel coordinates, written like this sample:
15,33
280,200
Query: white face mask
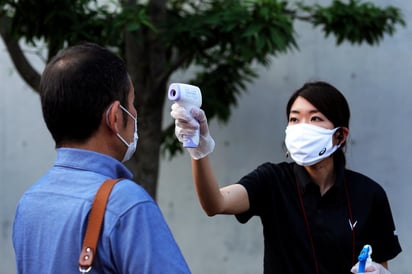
308,144
131,148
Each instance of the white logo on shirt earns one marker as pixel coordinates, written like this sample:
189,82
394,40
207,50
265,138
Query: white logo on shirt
352,226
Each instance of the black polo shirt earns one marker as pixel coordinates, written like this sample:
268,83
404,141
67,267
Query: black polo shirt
292,245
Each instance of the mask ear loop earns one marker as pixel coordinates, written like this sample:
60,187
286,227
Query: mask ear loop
107,114
135,135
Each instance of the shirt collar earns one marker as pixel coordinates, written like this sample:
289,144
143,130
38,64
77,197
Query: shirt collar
304,179
92,161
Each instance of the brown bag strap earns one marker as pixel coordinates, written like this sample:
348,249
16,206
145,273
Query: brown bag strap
94,225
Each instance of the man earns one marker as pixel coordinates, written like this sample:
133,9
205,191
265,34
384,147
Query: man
87,101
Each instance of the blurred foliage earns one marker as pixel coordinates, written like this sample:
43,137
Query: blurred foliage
220,39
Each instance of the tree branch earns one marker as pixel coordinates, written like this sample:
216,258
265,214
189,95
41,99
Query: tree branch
23,66
175,64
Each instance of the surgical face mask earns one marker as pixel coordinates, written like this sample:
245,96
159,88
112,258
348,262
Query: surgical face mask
131,148
308,144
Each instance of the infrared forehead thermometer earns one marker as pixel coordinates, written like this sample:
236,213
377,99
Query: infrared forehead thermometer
187,96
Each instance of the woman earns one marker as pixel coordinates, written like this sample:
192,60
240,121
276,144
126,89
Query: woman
316,214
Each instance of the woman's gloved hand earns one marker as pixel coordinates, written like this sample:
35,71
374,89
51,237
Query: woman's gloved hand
187,122
372,268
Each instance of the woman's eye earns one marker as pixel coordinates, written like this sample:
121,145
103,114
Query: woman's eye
292,120
316,119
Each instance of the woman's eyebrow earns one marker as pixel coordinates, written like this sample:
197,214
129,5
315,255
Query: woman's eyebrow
296,111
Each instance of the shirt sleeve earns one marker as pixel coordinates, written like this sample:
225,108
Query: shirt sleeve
141,242
386,245
261,184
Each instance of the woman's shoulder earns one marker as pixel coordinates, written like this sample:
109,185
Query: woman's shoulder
282,166
361,181
282,170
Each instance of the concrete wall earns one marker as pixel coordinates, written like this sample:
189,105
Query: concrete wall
375,80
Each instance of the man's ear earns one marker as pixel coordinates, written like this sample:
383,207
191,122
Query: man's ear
112,118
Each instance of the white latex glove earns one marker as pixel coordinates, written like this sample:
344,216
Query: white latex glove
372,268
186,124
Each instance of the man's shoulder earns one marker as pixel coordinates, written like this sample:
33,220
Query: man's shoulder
130,191
128,195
